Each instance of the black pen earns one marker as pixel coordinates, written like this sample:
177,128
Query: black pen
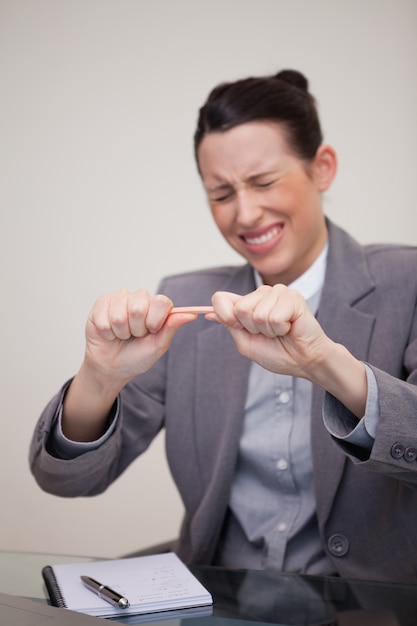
106,593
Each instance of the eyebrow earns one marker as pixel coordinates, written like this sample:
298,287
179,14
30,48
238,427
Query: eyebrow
221,187
261,174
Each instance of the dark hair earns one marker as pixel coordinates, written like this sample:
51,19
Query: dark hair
283,98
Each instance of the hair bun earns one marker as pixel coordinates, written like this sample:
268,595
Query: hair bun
292,77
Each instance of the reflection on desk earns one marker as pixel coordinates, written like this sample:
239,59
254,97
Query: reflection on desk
251,596
288,599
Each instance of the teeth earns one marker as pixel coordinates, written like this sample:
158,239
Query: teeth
263,238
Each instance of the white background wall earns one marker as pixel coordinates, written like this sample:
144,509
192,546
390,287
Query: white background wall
99,191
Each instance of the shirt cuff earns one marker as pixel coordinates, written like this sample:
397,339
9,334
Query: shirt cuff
63,448
345,426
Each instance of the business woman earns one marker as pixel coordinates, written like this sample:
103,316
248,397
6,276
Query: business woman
290,408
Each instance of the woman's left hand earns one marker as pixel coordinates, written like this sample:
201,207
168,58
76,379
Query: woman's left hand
274,327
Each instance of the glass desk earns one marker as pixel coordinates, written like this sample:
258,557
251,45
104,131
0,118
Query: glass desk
241,597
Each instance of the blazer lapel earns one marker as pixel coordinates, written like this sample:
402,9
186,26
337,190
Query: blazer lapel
347,284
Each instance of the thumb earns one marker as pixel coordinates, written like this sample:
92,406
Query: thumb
170,328
174,321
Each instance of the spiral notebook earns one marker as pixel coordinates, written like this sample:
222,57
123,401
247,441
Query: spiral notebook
156,583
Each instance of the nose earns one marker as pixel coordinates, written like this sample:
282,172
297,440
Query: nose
248,209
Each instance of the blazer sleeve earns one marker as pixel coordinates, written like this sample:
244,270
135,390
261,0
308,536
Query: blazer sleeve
141,416
394,450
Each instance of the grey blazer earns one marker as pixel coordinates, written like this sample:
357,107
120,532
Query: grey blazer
366,505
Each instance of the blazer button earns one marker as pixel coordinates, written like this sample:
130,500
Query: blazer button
397,451
410,454
338,545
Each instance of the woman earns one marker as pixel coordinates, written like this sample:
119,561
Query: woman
301,456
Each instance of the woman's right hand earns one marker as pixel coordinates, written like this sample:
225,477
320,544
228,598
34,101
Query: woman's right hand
126,333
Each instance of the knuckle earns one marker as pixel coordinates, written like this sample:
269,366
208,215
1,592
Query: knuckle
137,309
258,316
118,320
161,298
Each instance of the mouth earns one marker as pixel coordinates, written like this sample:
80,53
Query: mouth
262,239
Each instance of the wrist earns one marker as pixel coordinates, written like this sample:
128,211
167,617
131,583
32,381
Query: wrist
102,386
87,405
343,376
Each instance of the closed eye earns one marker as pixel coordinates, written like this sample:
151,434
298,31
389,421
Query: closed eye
263,185
222,198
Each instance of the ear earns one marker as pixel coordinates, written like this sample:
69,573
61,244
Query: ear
325,166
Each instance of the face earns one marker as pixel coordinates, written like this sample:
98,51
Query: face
265,200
